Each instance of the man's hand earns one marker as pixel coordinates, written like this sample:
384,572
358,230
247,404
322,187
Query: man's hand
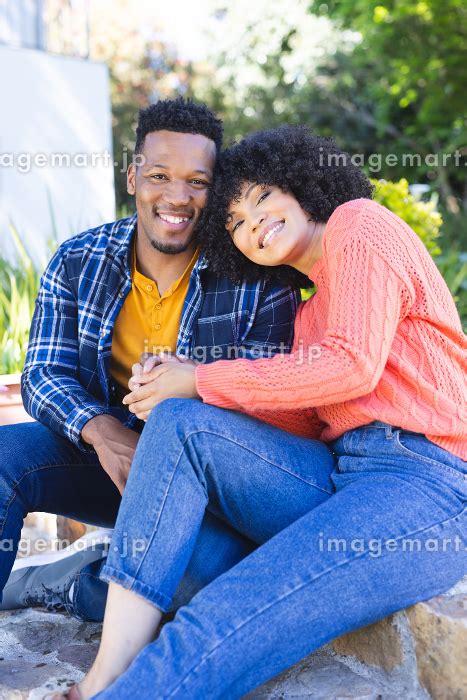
115,446
161,378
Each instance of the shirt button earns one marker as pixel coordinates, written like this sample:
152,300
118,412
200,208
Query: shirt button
149,287
158,306
157,326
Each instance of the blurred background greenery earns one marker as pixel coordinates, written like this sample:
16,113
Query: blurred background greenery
385,78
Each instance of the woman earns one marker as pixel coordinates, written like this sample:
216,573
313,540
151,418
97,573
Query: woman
377,374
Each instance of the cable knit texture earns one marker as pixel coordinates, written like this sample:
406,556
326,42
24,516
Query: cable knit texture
380,340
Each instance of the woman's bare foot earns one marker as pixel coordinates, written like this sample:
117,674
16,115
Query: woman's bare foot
91,684
130,623
95,681
73,693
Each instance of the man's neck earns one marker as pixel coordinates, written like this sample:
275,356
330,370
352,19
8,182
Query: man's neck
162,268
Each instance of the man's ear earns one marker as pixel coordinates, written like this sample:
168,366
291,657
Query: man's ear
131,179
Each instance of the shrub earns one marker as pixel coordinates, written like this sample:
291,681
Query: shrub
19,284
419,215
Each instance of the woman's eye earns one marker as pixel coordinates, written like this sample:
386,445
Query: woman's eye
263,197
200,182
235,227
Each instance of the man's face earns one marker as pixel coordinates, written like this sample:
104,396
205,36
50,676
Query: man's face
171,187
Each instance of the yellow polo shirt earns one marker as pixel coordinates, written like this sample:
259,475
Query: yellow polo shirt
147,321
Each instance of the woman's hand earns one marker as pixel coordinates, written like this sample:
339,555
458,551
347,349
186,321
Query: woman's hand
160,378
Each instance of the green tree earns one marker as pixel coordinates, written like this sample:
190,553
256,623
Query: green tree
414,55
143,67
385,79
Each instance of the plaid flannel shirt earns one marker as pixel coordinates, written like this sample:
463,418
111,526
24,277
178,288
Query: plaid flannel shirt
66,379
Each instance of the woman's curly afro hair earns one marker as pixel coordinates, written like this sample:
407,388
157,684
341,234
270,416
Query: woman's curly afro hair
313,169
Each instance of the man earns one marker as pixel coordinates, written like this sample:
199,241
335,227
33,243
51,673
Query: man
108,295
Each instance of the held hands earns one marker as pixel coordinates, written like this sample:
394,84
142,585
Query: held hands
160,377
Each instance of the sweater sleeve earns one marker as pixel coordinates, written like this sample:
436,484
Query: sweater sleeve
367,302
301,422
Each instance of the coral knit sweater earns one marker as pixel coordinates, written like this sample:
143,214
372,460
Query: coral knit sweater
380,340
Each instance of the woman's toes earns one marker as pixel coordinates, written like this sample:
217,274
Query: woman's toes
71,694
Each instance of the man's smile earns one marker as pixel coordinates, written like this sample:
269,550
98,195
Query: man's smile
176,222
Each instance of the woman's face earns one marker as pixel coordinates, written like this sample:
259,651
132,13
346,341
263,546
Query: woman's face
269,226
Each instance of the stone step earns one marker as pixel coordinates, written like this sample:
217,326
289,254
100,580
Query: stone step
320,677
416,654
424,646
42,651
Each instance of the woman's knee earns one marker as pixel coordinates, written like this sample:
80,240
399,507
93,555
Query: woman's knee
179,413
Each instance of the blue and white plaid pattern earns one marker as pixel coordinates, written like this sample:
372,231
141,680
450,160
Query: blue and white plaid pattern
66,379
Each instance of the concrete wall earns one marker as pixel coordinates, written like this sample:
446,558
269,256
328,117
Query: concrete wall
55,147
22,23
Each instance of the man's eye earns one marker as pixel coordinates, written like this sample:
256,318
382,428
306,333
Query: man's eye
159,176
263,197
200,182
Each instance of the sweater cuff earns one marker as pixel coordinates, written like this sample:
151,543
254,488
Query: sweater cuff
213,384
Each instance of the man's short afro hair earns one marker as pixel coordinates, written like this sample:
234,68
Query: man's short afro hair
313,169
182,115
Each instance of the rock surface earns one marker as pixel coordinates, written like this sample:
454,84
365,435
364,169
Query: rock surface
439,630
416,654
43,651
425,645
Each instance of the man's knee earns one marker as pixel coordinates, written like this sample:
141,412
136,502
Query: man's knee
17,443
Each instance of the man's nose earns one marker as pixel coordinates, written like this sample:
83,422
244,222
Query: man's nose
177,193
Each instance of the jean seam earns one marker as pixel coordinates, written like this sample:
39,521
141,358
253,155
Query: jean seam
164,499
120,577
302,585
265,459
417,487
80,575
76,591
182,450
16,484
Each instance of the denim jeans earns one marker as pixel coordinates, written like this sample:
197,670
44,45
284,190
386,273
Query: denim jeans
344,539
42,471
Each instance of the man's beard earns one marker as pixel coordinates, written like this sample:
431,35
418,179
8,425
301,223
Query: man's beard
171,248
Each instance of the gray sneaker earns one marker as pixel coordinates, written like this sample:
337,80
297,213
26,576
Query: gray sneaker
46,579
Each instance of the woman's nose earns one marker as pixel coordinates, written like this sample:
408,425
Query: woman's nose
257,222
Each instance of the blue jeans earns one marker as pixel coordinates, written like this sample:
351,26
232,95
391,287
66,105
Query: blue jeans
345,540
42,471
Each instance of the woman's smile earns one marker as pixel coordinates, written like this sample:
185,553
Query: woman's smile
269,233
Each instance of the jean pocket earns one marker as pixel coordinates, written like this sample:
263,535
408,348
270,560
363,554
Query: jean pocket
417,447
